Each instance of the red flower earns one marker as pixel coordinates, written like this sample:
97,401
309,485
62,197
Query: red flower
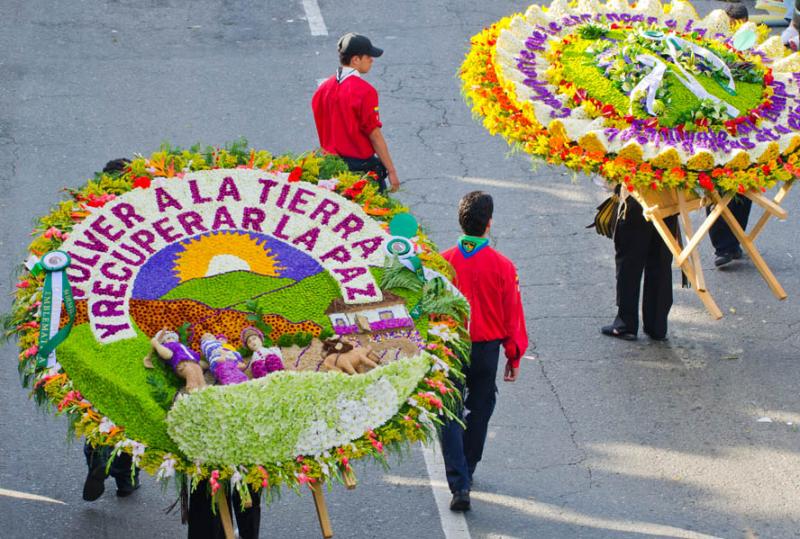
608,110
730,126
142,182
294,176
659,173
651,122
768,78
741,189
766,169
354,190
99,201
705,181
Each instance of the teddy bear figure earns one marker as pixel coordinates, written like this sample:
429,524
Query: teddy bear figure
341,356
225,362
265,359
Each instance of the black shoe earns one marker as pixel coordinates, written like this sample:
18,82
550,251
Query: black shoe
723,260
127,491
460,501
611,331
95,484
657,337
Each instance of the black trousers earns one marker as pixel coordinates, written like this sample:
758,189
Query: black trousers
120,468
722,238
373,164
463,449
204,524
641,251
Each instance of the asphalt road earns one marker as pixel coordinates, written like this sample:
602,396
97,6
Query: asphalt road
599,438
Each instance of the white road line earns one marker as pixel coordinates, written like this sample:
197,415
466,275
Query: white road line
454,525
314,16
557,513
25,496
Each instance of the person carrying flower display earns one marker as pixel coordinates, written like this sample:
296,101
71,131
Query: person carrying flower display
265,360
125,474
726,246
346,113
641,251
490,283
225,362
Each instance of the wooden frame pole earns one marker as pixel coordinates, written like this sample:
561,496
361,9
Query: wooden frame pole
751,249
225,514
322,510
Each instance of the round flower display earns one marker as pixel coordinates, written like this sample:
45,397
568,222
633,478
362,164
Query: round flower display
231,314
645,95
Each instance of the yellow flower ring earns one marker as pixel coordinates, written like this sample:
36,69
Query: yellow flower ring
210,242
645,95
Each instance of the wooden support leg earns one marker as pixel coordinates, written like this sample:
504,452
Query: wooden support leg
751,249
687,267
224,514
688,230
693,240
349,480
322,510
782,192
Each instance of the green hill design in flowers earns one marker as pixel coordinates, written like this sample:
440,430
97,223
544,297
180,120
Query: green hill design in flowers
114,379
226,289
303,300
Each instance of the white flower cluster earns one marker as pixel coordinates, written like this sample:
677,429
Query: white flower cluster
287,413
356,415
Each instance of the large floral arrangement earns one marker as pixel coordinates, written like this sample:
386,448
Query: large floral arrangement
211,241
647,95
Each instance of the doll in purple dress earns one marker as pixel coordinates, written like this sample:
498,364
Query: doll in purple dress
265,359
225,362
184,361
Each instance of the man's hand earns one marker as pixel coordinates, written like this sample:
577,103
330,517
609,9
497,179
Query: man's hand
510,373
394,181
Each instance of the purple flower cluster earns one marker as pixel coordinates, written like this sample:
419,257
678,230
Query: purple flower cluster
381,325
526,63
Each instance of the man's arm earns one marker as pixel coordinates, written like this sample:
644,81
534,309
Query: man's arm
379,145
516,341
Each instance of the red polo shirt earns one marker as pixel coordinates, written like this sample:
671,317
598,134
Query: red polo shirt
490,283
346,113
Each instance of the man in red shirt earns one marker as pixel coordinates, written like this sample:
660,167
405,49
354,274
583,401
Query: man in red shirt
346,113
490,283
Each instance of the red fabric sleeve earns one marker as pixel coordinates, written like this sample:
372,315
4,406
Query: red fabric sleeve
516,341
368,116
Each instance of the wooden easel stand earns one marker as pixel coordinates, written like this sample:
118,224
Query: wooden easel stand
657,206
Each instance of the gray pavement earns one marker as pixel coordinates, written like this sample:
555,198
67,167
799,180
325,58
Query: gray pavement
599,438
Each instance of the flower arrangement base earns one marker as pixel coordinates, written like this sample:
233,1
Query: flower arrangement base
657,205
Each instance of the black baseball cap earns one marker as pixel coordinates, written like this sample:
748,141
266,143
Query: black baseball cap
358,45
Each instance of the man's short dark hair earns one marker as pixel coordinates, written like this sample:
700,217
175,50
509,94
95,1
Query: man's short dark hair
737,12
474,212
116,165
345,58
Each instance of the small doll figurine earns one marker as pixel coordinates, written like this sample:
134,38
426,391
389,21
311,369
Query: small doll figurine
265,359
183,360
226,363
